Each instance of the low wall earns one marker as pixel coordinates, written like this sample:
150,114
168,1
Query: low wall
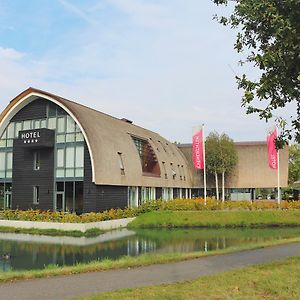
103,225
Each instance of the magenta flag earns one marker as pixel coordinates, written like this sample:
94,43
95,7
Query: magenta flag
198,151
272,151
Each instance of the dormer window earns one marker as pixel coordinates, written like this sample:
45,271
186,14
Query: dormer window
150,166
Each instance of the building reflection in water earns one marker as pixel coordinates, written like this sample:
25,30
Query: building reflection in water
28,252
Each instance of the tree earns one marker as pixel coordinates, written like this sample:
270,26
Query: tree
212,157
221,158
294,163
228,158
269,31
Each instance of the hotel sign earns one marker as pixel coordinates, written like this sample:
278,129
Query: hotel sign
36,138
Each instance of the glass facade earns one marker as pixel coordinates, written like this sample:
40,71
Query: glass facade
69,144
68,153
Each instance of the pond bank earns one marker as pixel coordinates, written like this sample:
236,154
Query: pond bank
217,219
77,227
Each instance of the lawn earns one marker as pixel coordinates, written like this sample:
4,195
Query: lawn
217,219
278,280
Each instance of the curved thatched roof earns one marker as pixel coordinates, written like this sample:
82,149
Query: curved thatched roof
105,137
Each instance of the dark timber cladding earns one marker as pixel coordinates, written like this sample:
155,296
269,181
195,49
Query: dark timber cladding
25,177
36,110
100,197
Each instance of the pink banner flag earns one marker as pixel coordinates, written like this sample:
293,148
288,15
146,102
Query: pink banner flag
198,153
272,151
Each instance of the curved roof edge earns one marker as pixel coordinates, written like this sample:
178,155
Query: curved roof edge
106,137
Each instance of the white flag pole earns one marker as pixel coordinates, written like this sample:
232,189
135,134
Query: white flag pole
204,163
278,179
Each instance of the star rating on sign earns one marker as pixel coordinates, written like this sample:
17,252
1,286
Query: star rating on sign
30,141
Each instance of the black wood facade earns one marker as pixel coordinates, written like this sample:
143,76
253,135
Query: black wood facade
35,110
100,197
25,177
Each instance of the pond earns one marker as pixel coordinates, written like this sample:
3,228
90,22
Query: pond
28,252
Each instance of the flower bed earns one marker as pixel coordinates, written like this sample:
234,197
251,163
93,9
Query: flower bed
174,205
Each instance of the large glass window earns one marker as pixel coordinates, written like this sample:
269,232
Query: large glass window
60,124
9,160
2,164
70,156
147,155
11,131
60,159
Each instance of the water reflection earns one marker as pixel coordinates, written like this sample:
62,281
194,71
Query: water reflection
22,251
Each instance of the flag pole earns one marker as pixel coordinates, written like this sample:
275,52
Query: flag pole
278,179
204,164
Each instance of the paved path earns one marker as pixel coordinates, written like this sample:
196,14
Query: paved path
66,287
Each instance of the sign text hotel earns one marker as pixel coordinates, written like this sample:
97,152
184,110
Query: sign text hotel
30,137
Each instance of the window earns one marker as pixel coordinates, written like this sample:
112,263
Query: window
148,158
79,156
61,124
121,164
36,194
173,171
27,125
70,124
18,127
37,161
2,164
11,131
51,123
36,124
60,159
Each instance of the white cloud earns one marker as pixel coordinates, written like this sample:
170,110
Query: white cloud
10,54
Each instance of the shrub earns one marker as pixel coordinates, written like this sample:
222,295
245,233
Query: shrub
173,205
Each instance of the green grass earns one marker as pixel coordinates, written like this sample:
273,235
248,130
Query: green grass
52,232
277,280
130,262
217,219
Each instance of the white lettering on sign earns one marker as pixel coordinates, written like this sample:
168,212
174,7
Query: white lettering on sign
30,137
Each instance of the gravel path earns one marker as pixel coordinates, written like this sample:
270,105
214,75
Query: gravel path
66,287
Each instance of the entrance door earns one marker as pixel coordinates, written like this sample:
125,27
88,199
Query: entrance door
60,201
7,200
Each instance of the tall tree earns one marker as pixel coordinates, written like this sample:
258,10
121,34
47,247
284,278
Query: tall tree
269,32
294,163
228,154
221,158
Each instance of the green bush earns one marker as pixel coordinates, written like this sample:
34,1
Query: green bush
172,205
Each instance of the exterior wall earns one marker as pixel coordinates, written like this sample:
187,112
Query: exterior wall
24,178
101,197
252,170
36,110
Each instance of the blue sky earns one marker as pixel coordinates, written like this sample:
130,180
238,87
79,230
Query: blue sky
166,65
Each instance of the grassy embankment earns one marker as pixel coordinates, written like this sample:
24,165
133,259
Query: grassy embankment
93,232
277,280
218,219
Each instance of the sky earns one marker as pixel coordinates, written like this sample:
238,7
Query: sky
165,65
